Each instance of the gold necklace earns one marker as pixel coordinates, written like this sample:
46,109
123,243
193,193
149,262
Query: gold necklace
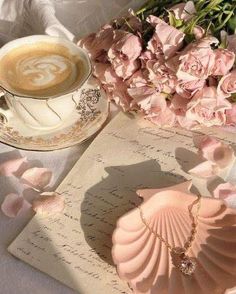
180,259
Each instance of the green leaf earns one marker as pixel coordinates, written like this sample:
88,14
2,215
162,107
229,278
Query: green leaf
232,23
223,44
189,38
212,15
174,21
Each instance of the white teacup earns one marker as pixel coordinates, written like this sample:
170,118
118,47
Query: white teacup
39,77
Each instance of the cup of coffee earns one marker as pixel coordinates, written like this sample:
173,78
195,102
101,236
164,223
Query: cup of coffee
39,77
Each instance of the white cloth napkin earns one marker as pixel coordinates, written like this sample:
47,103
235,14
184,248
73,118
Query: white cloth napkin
31,17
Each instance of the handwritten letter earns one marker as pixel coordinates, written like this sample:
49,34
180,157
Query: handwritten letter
75,247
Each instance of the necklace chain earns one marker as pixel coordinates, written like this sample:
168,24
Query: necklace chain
194,225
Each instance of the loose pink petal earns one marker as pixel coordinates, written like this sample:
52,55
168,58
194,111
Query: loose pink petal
9,167
217,152
208,145
224,191
49,203
37,177
14,204
205,169
223,156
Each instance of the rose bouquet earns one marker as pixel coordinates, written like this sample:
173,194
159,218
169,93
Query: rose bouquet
174,63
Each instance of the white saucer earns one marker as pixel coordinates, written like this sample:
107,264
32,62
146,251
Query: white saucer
90,115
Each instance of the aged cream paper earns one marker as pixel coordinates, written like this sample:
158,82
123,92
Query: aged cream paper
75,247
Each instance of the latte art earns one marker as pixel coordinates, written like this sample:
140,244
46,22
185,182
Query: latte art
42,71
36,73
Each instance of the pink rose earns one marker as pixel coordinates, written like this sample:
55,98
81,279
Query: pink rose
145,97
207,108
224,61
144,92
161,76
125,68
98,44
197,61
138,79
105,74
189,88
162,116
154,46
124,54
173,63
122,98
146,56
115,87
179,106
166,38
185,122
146,85
184,11
227,84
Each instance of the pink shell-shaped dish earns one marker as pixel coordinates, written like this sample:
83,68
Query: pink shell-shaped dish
144,261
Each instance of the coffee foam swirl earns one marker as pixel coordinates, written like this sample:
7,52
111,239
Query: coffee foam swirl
40,70
44,71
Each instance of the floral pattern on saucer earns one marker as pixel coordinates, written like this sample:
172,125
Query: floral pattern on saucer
90,115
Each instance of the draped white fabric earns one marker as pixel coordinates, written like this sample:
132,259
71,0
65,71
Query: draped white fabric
69,18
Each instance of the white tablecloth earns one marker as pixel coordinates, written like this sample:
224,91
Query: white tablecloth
19,18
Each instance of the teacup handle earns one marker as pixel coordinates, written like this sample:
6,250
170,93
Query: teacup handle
4,114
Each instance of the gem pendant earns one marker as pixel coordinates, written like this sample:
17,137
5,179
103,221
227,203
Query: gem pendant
183,262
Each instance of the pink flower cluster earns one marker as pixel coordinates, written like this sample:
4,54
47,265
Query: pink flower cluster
170,82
